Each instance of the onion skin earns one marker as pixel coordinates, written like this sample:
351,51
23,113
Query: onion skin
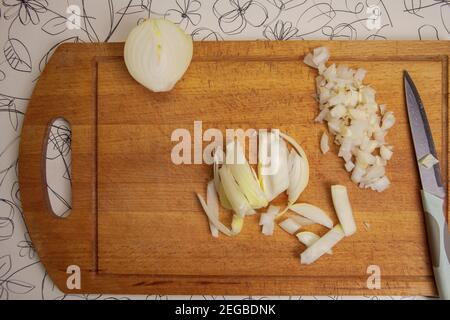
157,53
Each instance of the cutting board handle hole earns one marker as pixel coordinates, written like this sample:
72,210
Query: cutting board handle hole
58,169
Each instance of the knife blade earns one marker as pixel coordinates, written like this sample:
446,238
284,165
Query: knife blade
433,191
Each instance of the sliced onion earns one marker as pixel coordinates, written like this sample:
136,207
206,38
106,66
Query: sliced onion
308,238
322,246
234,195
312,213
273,169
297,169
213,205
343,209
237,223
218,183
289,225
157,53
302,220
213,219
267,220
244,175
305,163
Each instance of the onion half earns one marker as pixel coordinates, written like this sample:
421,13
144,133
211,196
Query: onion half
157,53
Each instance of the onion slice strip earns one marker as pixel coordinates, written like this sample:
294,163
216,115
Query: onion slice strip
289,225
297,169
301,152
312,213
245,176
308,238
322,246
302,220
273,171
343,209
218,183
234,195
213,219
213,205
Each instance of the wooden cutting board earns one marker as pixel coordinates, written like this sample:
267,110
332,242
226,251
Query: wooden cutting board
136,226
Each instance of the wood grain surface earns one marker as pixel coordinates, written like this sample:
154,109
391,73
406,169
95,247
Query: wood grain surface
136,226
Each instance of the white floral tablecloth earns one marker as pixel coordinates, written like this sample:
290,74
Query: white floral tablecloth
30,30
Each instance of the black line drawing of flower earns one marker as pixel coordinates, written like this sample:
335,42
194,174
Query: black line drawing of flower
26,247
185,14
26,10
281,31
234,15
9,284
205,34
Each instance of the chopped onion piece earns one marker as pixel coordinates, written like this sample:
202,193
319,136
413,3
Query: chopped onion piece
351,113
322,246
349,165
343,209
320,56
309,60
324,143
385,152
289,225
388,120
428,161
312,213
212,218
381,184
357,173
213,205
273,210
308,238
360,74
267,220
268,228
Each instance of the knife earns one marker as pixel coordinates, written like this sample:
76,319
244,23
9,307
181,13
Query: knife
433,191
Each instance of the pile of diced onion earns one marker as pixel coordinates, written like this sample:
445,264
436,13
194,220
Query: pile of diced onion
236,186
359,125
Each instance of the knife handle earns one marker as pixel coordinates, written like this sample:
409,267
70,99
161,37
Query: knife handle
438,241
